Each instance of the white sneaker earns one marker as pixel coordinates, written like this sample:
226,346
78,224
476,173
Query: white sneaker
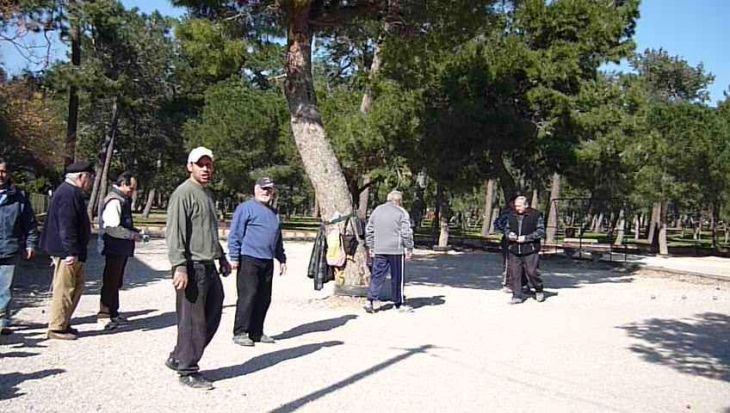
104,324
405,309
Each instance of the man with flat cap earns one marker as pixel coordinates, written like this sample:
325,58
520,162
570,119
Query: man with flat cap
253,243
193,247
65,236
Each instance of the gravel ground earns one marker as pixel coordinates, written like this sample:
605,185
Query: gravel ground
605,340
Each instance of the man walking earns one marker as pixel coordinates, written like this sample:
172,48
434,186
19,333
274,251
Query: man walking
524,230
388,236
66,233
253,243
193,247
18,233
116,243
500,224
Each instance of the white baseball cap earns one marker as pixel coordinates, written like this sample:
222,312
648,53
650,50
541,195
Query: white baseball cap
198,153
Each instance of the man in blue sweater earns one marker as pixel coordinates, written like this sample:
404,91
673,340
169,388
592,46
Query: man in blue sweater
18,237
253,243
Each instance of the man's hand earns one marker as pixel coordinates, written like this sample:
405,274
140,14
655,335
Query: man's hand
225,267
137,237
234,265
70,260
512,236
29,254
282,269
521,239
409,255
180,280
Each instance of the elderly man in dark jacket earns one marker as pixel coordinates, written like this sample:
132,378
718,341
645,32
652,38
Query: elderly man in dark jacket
66,233
18,232
524,230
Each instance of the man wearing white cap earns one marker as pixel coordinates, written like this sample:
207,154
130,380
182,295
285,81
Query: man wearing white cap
193,247
253,243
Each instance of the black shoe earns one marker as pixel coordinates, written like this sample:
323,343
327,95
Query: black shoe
172,364
72,331
243,340
369,307
540,296
515,300
264,339
196,381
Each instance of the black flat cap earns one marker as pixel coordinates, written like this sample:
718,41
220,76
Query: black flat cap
80,167
265,182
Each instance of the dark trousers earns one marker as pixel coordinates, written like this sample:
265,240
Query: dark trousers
253,281
111,283
199,308
520,266
382,264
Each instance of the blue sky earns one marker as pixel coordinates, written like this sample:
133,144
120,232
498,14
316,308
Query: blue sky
693,29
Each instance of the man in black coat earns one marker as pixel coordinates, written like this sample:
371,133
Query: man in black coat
18,233
66,233
524,230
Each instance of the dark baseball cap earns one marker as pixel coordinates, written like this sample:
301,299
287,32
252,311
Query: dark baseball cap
265,182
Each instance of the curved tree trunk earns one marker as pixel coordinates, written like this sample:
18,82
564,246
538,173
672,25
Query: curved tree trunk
552,224
148,204
99,189
488,202
318,157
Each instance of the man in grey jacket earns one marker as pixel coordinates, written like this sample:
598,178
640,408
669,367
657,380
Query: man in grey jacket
389,237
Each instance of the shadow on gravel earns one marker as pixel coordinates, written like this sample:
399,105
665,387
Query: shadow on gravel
698,346
9,382
300,402
33,279
484,271
17,354
416,303
155,322
267,360
316,327
27,335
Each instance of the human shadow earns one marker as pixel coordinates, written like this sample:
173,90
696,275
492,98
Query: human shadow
416,303
34,278
484,271
17,354
267,360
155,322
698,346
300,402
9,382
316,327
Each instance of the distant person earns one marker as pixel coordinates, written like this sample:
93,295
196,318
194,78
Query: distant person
389,239
193,247
66,234
525,228
253,243
117,236
18,237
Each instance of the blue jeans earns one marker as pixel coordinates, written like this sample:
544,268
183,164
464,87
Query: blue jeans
7,270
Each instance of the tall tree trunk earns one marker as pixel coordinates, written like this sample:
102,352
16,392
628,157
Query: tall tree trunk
552,226
495,214
316,213
363,198
444,217
663,246
148,205
69,151
506,180
598,227
637,228
534,204
318,157
99,189
488,202
135,195
653,224
715,219
621,225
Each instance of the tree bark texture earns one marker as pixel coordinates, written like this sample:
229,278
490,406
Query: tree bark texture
663,246
363,198
552,224
69,151
598,227
535,200
621,225
148,204
318,157
506,180
102,166
488,202
653,224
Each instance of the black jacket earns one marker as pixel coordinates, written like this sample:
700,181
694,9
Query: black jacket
18,227
531,225
117,240
67,229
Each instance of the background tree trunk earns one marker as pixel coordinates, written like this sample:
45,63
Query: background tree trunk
69,152
534,204
598,227
102,167
663,246
506,181
318,157
148,204
621,225
655,210
637,228
363,198
488,202
552,225
495,214
715,219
